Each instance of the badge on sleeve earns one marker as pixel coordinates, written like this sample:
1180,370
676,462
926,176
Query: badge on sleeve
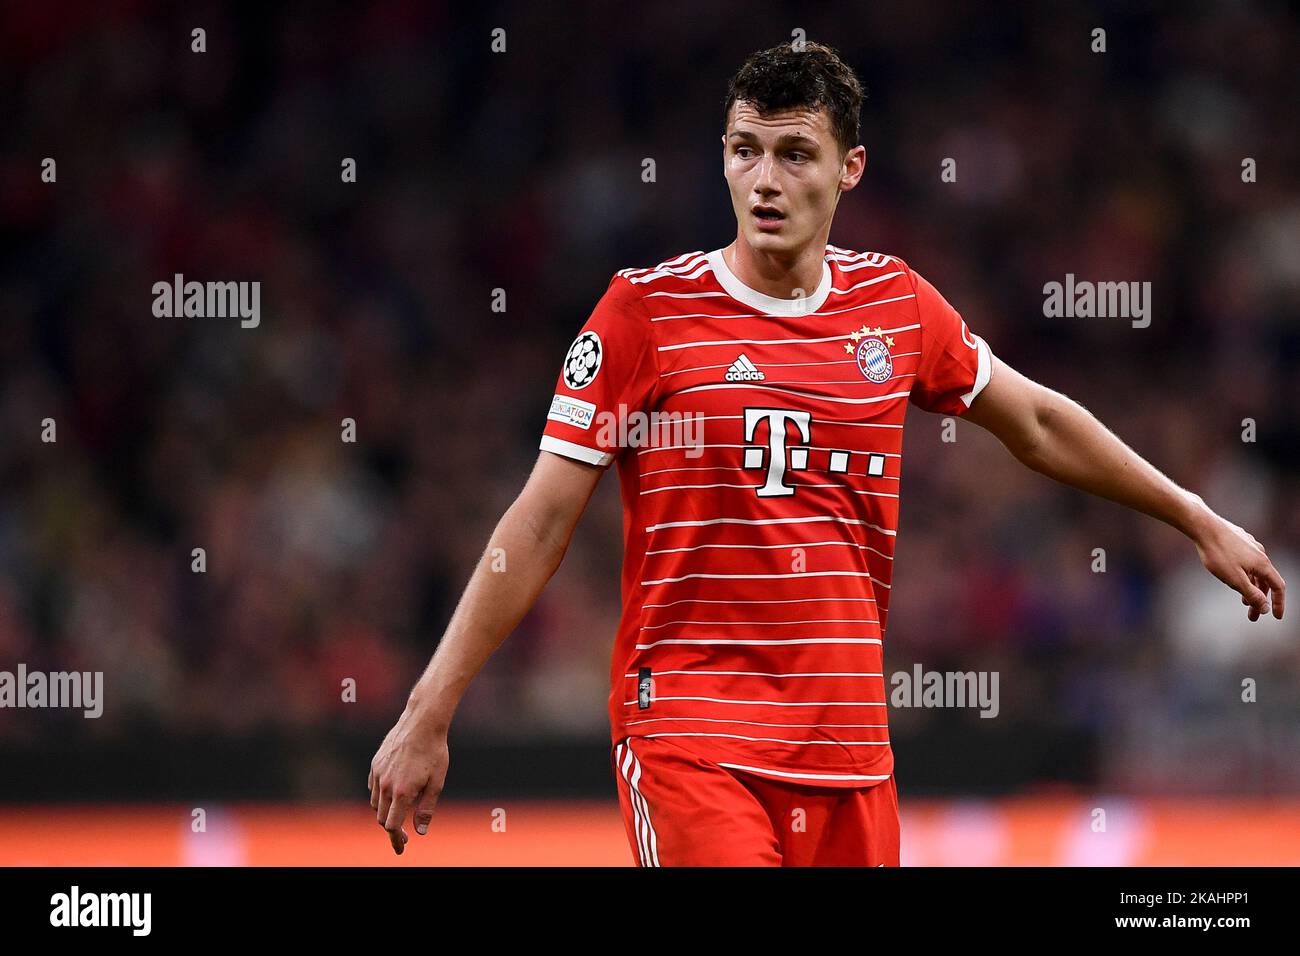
583,361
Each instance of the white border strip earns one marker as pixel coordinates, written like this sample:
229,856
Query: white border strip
592,456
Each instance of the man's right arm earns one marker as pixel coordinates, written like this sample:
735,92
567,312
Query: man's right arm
409,769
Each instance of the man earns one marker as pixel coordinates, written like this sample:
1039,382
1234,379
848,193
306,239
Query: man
748,705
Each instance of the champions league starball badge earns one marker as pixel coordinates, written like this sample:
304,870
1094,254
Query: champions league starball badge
583,361
870,348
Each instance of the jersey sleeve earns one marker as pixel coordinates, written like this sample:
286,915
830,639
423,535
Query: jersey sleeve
955,363
610,371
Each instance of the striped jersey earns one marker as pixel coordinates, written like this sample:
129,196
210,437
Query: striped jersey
758,442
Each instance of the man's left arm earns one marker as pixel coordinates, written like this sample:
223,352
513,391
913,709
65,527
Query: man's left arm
1056,436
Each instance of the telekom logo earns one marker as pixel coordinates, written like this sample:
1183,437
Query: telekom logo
781,458
777,462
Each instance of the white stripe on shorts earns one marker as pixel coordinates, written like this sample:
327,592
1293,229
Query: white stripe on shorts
647,839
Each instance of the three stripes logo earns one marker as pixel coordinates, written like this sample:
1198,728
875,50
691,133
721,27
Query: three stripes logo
743,370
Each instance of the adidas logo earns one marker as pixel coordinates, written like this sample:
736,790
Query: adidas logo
743,370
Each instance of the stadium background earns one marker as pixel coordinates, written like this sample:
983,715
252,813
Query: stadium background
522,171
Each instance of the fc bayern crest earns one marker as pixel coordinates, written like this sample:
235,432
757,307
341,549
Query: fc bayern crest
874,360
583,361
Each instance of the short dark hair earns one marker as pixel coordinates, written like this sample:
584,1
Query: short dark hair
813,77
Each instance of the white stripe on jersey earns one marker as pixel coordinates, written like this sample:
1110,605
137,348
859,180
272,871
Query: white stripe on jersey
812,519
836,424
846,266
663,471
779,643
754,723
763,674
651,491
687,295
887,275
775,703
778,740
860,259
856,474
731,468
690,271
647,451
678,263
853,381
829,620
775,547
831,338
759,577
807,600
869,400
710,315
706,368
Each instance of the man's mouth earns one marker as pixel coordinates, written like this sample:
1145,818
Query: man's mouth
767,214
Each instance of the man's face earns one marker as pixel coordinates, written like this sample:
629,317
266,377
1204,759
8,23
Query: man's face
785,174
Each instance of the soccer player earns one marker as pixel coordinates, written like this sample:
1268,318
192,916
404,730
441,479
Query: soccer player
748,703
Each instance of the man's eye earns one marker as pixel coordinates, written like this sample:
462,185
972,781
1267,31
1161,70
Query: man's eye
743,152
798,157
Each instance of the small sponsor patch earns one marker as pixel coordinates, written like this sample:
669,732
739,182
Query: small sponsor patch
644,689
571,411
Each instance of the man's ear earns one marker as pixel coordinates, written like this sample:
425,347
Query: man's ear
855,164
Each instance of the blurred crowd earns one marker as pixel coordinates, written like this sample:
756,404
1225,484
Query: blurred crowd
522,171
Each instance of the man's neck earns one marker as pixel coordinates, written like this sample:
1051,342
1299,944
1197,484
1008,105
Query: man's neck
779,277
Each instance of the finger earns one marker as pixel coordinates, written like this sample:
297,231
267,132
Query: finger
385,804
1268,577
1252,596
398,839
397,814
424,810
398,811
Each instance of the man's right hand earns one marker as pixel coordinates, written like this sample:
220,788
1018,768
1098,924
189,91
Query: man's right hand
407,773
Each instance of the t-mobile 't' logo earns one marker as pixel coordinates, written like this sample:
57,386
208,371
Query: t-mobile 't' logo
777,462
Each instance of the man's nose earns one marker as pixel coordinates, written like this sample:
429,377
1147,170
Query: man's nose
766,184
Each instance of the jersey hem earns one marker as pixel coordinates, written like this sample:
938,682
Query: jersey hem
983,371
591,456
804,776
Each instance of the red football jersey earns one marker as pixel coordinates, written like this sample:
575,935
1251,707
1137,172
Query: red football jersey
759,444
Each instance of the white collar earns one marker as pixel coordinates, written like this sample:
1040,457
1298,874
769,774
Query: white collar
768,304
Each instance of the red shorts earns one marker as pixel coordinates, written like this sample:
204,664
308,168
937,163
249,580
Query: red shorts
682,810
